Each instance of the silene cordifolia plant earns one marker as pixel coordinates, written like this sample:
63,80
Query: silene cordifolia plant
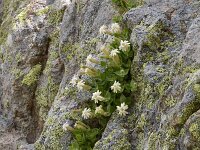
111,87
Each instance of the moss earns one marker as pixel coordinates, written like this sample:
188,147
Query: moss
140,140
46,92
54,144
4,29
125,5
18,57
78,51
164,56
190,69
163,85
17,73
171,132
170,102
8,9
142,122
192,106
195,130
71,51
155,37
182,132
197,90
116,140
131,118
39,146
42,11
54,16
55,131
32,76
52,57
187,111
22,16
153,140
54,36
155,50
45,97
169,145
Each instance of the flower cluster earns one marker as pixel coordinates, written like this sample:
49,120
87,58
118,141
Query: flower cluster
114,54
110,84
114,29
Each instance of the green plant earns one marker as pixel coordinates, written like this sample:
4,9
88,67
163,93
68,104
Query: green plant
32,76
125,5
55,16
84,135
111,86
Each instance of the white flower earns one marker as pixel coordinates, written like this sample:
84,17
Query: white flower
86,113
80,85
115,28
97,96
103,29
99,110
114,52
116,87
65,126
74,80
124,45
122,109
91,59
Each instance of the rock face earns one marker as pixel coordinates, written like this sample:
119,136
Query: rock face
43,44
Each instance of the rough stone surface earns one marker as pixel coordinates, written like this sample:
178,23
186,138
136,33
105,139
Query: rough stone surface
58,35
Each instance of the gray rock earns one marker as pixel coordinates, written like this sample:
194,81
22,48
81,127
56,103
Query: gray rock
59,35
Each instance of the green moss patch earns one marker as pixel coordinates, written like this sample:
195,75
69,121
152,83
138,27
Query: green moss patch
32,76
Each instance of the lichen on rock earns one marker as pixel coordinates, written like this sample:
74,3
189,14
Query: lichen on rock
44,43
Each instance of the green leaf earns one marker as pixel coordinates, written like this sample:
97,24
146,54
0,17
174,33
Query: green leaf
122,72
133,86
115,43
103,121
128,100
74,145
128,64
110,108
108,95
92,133
80,137
122,98
103,76
127,87
103,64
